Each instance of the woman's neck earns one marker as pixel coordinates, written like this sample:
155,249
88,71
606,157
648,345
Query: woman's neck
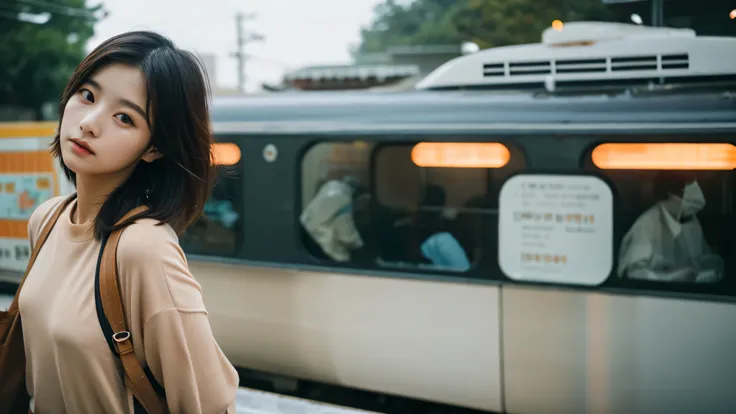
91,194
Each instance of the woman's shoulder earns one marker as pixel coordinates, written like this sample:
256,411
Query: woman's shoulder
152,263
148,239
40,212
34,222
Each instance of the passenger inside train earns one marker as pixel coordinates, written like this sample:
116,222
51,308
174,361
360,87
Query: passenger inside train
667,243
218,231
328,218
438,246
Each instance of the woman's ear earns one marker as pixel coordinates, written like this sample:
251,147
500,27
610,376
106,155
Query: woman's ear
151,155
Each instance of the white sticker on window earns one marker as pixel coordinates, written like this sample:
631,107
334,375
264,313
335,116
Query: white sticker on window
556,228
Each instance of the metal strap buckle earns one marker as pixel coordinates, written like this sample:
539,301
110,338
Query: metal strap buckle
121,336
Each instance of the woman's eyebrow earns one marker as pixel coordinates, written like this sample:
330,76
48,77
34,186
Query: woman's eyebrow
122,101
134,107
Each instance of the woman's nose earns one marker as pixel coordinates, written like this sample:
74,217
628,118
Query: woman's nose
90,125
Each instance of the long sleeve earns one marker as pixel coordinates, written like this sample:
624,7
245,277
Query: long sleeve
637,248
196,375
169,323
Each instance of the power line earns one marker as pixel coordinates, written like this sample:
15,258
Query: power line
59,10
9,15
22,17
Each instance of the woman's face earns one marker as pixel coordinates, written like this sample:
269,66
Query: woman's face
104,129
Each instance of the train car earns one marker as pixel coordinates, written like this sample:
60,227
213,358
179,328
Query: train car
537,228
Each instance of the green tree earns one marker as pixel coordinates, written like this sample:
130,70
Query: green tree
36,60
493,23
488,23
419,22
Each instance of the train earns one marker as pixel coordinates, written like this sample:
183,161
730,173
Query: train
539,163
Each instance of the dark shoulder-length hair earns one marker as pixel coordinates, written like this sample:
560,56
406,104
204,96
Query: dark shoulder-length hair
176,185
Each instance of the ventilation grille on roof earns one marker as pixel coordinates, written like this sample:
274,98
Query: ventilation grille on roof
594,65
581,65
493,69
530,68
675,61
629,63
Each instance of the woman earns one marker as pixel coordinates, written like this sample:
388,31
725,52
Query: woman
134,130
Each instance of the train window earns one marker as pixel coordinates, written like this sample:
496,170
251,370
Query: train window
334,217
219,232
556,228
403,205
676,217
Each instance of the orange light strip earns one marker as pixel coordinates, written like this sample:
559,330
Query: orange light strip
27,129
460,154
225,153
665,156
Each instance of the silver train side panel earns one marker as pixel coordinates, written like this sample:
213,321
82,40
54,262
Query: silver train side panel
572,352
428,340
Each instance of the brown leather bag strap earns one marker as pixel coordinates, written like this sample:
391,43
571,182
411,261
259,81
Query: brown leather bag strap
42,236
112,305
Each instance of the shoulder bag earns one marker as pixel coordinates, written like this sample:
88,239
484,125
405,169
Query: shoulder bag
149,396
13,392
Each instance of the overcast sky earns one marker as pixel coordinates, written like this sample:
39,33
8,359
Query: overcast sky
298,32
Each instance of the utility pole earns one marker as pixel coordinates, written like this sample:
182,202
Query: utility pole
657,13
240,53
242,41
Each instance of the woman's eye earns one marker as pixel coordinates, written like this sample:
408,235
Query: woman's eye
125,119
87,95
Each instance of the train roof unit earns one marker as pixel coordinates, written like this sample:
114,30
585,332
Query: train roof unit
594,54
